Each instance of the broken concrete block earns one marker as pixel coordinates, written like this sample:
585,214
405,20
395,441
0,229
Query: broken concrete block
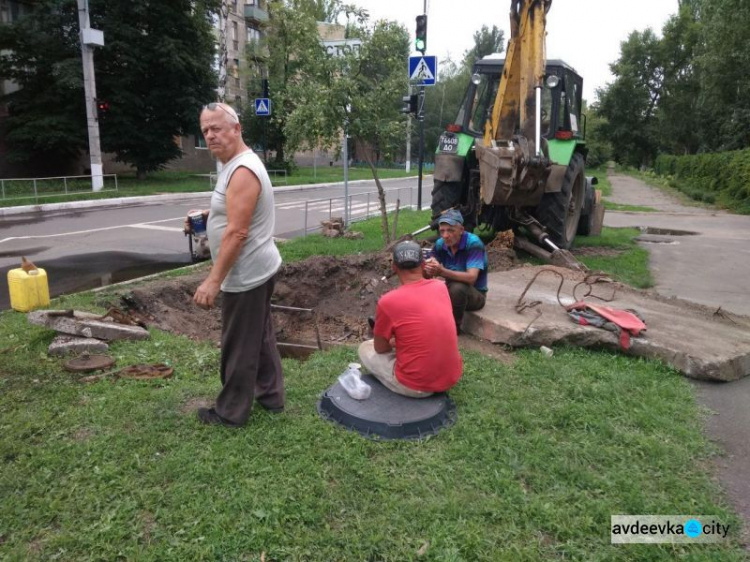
63,345
688,336
84,325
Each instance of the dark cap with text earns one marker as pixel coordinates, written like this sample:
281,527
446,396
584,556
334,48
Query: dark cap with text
407,254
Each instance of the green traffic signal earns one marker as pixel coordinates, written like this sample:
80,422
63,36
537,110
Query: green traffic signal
420,43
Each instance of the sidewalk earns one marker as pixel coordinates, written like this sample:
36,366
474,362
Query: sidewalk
709,267
156,199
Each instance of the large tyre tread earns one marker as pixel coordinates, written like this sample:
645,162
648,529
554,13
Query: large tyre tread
553,209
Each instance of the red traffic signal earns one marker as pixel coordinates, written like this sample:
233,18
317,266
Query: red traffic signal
102,107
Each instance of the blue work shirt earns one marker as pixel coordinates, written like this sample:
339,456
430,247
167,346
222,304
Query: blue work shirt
470,253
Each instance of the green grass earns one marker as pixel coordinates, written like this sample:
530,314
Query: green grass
544,451
603,184
610,206
182,182
629,266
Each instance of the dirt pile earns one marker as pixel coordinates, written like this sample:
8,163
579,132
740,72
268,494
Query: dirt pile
343,292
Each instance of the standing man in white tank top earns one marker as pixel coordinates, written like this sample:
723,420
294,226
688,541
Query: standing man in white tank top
245,261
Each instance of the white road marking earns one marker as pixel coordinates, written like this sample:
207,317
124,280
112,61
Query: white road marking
91,230
157,227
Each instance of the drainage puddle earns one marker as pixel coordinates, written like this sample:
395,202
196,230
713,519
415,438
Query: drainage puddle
666,231
652,235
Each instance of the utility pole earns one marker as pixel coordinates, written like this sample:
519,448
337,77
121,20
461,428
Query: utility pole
420,116
421,45
221,89
91,38
345,154
408,144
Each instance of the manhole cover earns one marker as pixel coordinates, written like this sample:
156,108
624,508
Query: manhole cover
86,363
387,415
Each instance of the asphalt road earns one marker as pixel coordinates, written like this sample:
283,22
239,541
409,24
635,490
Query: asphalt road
86,248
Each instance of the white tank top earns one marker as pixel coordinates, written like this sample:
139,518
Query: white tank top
259,259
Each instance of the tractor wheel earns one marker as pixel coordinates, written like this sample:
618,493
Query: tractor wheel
559,212
445,194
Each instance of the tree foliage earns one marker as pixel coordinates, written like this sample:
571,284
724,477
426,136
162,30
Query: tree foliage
295,59
154,70
686,92
40,52
360,91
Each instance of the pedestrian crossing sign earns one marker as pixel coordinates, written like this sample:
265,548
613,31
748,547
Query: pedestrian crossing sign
262,107
423,70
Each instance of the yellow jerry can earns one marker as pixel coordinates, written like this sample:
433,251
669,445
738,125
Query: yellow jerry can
28,292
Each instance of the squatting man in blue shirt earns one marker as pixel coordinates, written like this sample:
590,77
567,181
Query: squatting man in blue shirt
460,258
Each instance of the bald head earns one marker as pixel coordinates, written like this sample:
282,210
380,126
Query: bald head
221,129
230,115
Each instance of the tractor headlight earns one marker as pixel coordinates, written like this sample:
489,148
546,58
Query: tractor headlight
553,81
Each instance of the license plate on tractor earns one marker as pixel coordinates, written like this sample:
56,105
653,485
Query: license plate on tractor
448,142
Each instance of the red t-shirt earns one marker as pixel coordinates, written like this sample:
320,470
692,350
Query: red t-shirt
420,317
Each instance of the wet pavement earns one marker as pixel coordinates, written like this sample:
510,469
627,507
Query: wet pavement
72,274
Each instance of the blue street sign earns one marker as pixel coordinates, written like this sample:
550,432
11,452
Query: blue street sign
423,70
262,107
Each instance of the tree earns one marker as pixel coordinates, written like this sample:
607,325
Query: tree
40,52
723,64
155,72
486,42
361,90
680,93
629,103
295,59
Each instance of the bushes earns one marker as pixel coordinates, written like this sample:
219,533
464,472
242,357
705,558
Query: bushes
721,177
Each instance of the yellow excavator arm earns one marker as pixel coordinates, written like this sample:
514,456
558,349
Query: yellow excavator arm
513,165
523,72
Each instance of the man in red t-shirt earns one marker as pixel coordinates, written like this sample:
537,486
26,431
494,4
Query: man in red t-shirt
415,348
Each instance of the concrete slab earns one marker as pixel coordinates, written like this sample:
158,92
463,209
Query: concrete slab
696,340
63,345
81,324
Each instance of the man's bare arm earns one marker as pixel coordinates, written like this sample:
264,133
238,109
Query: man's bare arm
243,193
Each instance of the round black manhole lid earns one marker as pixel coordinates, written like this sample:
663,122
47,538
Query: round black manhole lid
87,363
387,415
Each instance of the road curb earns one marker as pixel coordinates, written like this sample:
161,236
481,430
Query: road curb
116,202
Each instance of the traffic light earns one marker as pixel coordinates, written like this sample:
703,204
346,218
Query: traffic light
420,44
102,107
411,104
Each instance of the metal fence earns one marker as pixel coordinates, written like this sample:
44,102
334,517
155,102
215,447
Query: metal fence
362,206
273,174
39,188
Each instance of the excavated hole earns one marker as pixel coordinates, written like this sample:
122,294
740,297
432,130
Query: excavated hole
342,291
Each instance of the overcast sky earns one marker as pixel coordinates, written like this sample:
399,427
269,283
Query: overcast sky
584,33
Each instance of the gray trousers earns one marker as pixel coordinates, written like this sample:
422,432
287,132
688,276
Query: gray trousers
250,361
464,297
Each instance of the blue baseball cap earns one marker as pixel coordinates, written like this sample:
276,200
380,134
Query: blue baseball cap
452,217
